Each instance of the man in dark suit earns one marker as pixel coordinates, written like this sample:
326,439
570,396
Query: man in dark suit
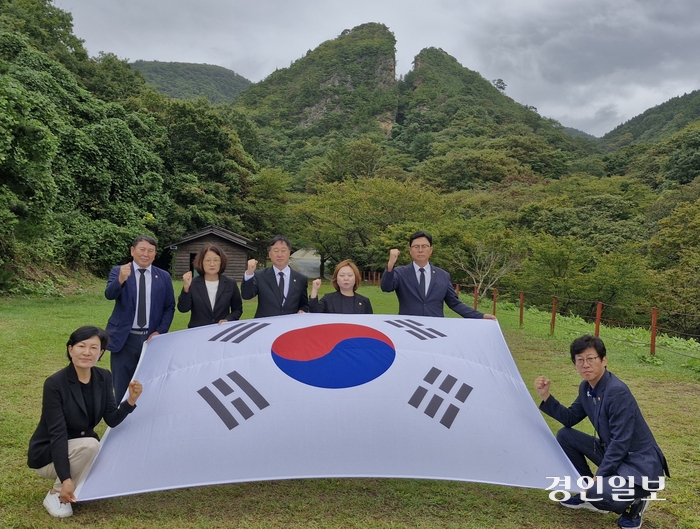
421,287
280,289
144,307
623,448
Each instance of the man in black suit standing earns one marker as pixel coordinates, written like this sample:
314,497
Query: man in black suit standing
421,287
280,289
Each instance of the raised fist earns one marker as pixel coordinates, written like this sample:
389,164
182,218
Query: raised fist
393,255
252,265
124,273
187,280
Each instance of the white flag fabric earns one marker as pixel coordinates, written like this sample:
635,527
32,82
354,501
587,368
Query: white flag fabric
328,395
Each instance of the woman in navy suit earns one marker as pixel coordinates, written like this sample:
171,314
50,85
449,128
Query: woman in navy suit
75,400
345,300
211,296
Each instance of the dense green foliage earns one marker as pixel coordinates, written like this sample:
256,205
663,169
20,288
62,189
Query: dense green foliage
343,88
442,121
182,80
576,133
82,172
339,155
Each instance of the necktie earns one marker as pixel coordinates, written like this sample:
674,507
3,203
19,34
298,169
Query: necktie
141,312
422,281
281,286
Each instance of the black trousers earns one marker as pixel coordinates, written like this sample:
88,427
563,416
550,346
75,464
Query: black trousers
578,447
123,363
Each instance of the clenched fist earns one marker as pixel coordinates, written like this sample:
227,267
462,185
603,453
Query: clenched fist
124,273
315,286
542,384
187,280
252,265
393,256
135,389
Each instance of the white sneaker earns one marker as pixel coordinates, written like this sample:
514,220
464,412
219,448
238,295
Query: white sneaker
53,504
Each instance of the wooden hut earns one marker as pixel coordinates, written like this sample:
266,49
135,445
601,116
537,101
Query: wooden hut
237,248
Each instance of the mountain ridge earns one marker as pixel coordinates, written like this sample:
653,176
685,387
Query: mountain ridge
182,80
656,123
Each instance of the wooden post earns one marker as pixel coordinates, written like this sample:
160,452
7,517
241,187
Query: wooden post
476,297
522,306
598,314
495,297
457,289
654,316
554,315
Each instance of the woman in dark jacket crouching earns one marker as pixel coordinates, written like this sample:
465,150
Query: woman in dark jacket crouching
75,400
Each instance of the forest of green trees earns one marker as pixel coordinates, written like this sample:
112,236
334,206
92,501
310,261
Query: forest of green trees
182,80
339,155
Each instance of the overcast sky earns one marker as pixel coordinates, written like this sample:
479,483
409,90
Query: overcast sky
590,64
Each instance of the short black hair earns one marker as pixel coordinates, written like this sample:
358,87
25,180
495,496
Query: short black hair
420,234
587,341
198,263
84,333
277,239
147,238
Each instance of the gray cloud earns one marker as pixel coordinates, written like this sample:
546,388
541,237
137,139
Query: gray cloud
590,65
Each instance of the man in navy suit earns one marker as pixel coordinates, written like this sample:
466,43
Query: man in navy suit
623,446
280,289
144,307
422,288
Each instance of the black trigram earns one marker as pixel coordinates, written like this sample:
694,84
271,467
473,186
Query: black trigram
221,408
435,403
416,329
239,332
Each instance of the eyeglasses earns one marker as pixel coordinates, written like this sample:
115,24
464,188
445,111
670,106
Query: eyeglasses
589,360
420,247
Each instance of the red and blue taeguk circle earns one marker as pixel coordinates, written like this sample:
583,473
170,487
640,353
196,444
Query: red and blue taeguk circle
333,355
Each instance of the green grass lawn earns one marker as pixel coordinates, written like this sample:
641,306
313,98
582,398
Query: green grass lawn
33,333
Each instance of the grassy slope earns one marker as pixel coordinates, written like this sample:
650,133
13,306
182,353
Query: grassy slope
32,338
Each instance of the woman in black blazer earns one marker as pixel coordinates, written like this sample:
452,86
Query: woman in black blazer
211,296
75,400
346,279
